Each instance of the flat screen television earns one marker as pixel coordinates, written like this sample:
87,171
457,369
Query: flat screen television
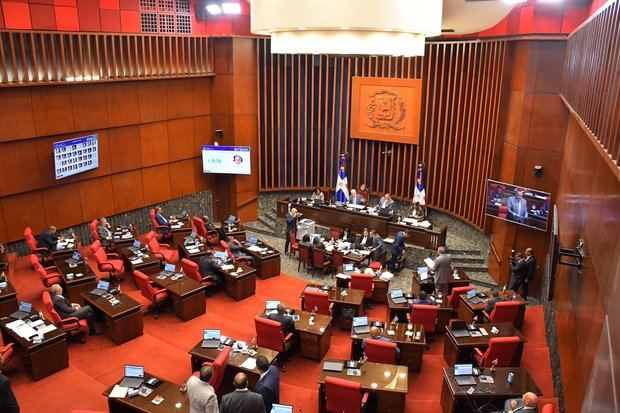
77,155
523,206
226,160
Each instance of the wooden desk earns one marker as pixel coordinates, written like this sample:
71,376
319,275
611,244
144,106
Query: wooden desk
401,310
379,291
148,259
387,381
454,398
179,229
240,285
188,295
171,392
237,231
199,355
123,322
267,264
8,300
66,251
345,306
428,285
411,351
42,359
467,310
192,256
124,236
74,287
459,349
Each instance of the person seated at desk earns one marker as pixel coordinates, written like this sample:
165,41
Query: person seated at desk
208,224
375,334
423,298
242,400
236,247
48,239
364,241
527,403
495,297
317,195
282,317
356,199
346,235
363,192
386,202
66,309
396,250
268,384
418,212
8,402
162,220
104,232
208,265
378,248
201,395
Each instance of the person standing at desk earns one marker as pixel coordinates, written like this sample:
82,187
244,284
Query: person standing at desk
201,395
519,271
528,403
207,265
396,250
268,384
317,195
355,198
291,226
386,203
242,400
442,265
375,334
517,207
104,232
66,309
378,248
48,239
530,260
364,241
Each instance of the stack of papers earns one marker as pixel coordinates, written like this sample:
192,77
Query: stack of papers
254,248
137,261
249,363
193,250
386,276
227,267
429,263
118,392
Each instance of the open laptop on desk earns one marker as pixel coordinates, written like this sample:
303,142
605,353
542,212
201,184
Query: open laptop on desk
75,258
24,311
251,241
102,288
281,408
169,270
472,297
271,306
360,325
463,374
135,248
211,339
459,328
397,296
348,269
134,376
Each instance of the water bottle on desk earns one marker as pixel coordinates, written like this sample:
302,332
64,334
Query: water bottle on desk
511,377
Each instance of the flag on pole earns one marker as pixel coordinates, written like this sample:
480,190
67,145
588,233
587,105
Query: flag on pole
342,184
419,193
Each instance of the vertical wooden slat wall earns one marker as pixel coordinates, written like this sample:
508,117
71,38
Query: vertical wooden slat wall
32,58
591,85
460,110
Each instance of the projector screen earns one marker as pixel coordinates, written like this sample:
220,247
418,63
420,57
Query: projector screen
523,206
76,155
226,160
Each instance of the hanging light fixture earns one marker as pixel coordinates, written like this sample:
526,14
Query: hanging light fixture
349,27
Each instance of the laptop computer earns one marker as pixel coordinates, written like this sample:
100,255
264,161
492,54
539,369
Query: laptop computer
232,219
348,269
472,297
397,296
463,374
281,408
102,288
271,305
211,338
360,325
169,270
332,366
459,328
135,248
385,212
75,258
134,376
251,241
24,311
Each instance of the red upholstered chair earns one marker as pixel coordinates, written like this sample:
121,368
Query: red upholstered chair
190,268
304,257
269,335
159,229
108,262
219,367
362,282
505,312
48,275
199,226
503,211
160,251
425,315
376,265
6,354
547,408
378,351
40,252
325,195
320,260
154,294
344,395
319,300
87,411
93,229
337,260
335,233
294,247
94,246
454,298
501,349
71,325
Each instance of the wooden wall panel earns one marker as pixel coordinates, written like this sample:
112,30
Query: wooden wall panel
152,101
122,102
59,204
52,110
156,184
96,198
182,178
20,167
304,123
201,96
127,190
181,138
181,92
23,210
203,133
154,143
89,106
125,148
16,115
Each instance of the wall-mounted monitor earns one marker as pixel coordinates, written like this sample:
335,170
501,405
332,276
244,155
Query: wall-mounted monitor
226,160
523,206
77,155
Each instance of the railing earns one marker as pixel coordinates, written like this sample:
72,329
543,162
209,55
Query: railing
436,238
248,202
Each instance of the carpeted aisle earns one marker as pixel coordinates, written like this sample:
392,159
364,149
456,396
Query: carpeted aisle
163,351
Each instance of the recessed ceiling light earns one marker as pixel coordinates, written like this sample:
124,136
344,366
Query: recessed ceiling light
231,8
214,9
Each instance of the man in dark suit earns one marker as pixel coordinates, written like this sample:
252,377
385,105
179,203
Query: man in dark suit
386,202
364,241
530,260
66,309
8,402
442,266
48,239
288,324
162,220
208,265
291,226
423,299
377,245
355,198
375,334
527,404
104,232
519,272
242,400
268,384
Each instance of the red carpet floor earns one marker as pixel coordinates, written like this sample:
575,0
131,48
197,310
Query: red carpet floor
163,351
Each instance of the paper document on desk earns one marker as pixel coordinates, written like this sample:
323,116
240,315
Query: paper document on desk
47,329
356,206
25,331
227,267
176,226
424,224
255,248
138,261
249,363
429,263
14,324
364,252
127,235
386,276
118,392
193,250
411,221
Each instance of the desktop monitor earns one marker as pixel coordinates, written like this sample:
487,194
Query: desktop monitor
76,256
517,204
220,255
471,294
77,155
396,293
348,267
232,218
360,321
137,244
218,159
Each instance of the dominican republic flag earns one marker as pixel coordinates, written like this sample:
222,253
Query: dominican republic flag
342,184
419,193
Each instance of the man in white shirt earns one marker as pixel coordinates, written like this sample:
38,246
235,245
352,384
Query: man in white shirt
528,403
202,398
355,199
